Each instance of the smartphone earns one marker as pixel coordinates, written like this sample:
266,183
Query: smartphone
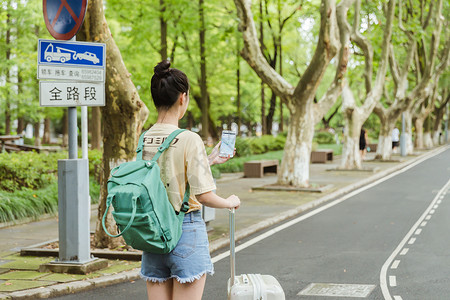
228,142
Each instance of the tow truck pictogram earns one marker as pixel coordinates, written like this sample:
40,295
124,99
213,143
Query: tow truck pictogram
50,55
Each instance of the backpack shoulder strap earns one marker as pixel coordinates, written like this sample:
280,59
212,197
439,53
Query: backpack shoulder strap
140,147
166,143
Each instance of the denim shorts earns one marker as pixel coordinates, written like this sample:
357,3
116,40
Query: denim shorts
190,259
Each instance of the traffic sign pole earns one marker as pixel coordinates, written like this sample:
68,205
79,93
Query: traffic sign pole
82,66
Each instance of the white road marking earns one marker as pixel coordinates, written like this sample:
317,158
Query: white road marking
424,223
418,231
404,251
384,268
395,264
397,298
392,280
439,201
436,206
428,218
412,241
432,211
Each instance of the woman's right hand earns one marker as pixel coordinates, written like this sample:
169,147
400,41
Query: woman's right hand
235,202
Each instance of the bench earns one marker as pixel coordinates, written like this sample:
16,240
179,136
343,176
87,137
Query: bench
373,147
7,138
321,156
257,168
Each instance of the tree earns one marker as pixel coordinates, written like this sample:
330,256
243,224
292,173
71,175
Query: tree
304,114
407,91
354,115
123,115
424,108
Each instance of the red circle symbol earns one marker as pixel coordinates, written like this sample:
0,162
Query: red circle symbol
64,18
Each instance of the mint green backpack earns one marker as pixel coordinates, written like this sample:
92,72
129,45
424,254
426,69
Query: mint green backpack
144,215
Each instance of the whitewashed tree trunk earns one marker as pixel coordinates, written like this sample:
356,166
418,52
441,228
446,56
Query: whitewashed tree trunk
351,157
408,133
436,137
384,149
427,140
297,151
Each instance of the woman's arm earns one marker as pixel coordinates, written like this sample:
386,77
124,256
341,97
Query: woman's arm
212,200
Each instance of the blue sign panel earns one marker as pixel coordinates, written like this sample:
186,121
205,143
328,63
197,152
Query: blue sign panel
64,18
75,54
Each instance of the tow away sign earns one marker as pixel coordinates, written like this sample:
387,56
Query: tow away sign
78,61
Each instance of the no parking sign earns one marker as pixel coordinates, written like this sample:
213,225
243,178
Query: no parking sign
64,18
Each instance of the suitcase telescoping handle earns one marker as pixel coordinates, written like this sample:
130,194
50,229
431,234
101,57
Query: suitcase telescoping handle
232,249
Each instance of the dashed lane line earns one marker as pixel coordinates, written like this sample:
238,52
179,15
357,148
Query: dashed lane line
395,264
407,239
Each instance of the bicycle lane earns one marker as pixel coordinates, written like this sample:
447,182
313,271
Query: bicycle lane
417,267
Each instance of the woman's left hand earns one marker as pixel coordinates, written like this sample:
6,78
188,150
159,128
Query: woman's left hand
215,159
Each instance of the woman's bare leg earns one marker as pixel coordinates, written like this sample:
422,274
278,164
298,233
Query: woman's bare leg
191,291
160,291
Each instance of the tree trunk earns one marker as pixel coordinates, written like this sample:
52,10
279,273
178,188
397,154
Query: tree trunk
203,81
20,125
163,27
238,90
7,71
297,151
122,117
408,133
419,133
427,140
37,133
46,137
269,118
384,148
351,157
96,128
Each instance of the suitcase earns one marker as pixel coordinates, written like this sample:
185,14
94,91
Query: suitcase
250,286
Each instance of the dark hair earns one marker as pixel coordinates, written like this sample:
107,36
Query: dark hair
167,84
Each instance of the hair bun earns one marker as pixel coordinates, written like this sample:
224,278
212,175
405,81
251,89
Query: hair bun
162,68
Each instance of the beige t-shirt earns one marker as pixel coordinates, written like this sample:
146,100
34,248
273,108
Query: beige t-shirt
185,159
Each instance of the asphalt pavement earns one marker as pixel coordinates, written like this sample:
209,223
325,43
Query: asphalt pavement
260,210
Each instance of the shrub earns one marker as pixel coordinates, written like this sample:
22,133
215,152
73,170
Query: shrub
324,137
24,170
28,203
266,143
242,147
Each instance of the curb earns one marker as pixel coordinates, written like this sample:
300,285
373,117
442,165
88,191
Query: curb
71,287
88,284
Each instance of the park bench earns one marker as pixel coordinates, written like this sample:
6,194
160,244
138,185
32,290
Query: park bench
321,156
257,168
7,138
373,147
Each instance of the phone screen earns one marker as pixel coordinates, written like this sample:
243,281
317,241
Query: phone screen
228,142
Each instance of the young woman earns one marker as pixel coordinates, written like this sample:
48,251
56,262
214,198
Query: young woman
181,274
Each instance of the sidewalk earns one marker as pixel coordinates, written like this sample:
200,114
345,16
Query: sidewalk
19,278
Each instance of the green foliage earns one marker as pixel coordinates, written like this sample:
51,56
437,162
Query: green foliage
28,203
266,143
26,170
242,147
324,137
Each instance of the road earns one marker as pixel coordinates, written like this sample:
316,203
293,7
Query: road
388,240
